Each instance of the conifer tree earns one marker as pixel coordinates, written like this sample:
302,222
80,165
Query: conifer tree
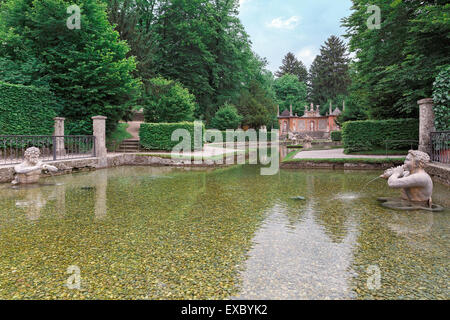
329,73
291,65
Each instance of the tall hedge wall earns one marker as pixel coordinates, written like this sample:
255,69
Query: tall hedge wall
157,136
224,135
370,135
26,110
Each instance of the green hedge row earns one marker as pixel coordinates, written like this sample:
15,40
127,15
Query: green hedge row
158,136
371,135
26,110
336,136
210,132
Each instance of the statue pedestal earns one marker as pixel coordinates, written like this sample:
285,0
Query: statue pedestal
401,204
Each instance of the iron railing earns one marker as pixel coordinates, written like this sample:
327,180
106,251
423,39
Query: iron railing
440,150
12,147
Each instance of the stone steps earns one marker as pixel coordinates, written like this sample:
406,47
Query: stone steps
129,145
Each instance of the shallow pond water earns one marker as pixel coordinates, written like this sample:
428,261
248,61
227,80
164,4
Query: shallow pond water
166,233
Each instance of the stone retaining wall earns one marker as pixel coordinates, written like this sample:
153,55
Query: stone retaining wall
335,166
440,172
78,165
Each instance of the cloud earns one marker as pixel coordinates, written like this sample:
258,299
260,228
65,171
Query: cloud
307,55
279,23
241,2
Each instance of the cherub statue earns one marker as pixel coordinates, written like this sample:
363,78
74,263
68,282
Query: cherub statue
30,169
416,184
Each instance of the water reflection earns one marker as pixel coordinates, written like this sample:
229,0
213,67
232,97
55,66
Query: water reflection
297,263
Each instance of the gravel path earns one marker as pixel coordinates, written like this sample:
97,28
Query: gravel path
133,128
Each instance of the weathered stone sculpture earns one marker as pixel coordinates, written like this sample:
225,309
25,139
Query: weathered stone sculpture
415,184
29,171
307,142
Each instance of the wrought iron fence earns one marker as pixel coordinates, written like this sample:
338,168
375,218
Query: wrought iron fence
12,148
440,142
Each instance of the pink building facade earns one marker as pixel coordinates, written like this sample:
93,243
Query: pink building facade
311,123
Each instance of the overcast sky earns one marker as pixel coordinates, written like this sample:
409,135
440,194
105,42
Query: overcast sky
300,26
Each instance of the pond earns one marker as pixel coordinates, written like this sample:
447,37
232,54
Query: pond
229,233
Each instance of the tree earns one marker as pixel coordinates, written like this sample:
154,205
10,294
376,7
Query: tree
203,44
87,69
397,64
328,76
256,106
291,65
168,101
135,21
226,117
289,91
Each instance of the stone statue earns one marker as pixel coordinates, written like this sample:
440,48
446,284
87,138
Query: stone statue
415,184
307,142
29,170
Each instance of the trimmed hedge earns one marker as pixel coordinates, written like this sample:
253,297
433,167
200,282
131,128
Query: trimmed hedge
371,135
336,136
224,135
26,110
158,136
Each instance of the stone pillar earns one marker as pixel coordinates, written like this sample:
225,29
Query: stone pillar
99,125
59,131
426,125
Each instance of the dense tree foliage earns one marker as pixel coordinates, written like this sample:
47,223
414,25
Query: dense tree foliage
256,106
200,43
397,64
85,68
441,99
167,101
329,72
226,117
291,65
289,91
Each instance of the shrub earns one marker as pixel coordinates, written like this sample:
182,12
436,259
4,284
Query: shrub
167,101
370,135
441,99
26,110
226,117
336,136
158,136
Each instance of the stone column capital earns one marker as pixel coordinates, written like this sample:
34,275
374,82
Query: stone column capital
425,101
59,119
99,118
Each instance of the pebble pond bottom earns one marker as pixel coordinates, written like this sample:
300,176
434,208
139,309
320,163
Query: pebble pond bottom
166,233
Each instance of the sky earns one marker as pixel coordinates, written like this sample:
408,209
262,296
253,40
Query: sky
299,26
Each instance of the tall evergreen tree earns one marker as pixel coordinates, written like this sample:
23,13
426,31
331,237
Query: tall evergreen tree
329,75
291,65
